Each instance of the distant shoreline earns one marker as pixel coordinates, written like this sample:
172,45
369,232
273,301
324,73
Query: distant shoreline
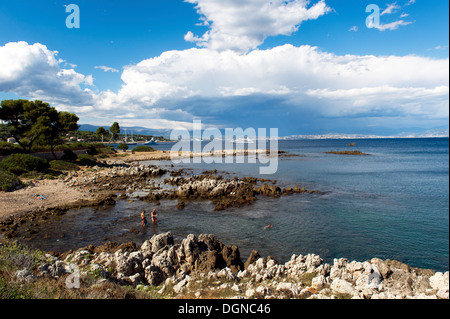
129,156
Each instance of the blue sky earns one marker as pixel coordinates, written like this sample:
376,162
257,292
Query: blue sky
304,67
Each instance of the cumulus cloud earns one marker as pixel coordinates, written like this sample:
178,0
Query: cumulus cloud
295,74
35,71
244,25
178,86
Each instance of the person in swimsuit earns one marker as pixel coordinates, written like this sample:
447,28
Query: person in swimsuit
143,219
154,214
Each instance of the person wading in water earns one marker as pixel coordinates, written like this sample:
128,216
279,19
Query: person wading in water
154,214
143,219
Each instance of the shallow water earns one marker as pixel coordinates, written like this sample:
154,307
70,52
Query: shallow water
393,204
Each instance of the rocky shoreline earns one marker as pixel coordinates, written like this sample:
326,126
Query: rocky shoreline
203,267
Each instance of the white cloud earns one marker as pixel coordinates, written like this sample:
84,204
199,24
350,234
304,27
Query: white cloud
354,29
292,73
106,68
35,71
244,25
390,26
439,47
391,8
165,90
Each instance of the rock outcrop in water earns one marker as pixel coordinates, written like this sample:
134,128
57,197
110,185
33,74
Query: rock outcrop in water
117,177
223,192
203,266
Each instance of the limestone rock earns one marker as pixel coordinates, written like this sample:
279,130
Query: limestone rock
160,241
318,282
342,286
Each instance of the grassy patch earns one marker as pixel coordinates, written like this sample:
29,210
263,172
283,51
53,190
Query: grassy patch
143,148
60,165
11,290
86,160
307,278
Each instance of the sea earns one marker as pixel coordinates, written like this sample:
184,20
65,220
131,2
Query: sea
392,204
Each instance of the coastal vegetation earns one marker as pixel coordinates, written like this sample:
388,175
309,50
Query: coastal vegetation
60,165
35,122
19,164
8,181
35,126
143,148
30,127
122,147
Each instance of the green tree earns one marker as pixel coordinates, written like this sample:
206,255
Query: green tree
65,122
101,132
28,120
115,130
33,122
122,147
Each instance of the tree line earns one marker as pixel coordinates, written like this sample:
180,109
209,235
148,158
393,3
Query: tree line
37,123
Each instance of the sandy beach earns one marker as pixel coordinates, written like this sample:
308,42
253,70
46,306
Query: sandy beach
168,155
24,200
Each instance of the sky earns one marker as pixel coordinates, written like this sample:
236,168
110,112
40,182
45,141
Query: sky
304,67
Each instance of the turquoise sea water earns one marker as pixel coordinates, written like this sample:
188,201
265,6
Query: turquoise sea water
393,204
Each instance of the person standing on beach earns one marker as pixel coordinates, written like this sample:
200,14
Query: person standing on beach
154,214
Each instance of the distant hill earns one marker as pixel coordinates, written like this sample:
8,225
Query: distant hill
442,131
435,132
135,130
